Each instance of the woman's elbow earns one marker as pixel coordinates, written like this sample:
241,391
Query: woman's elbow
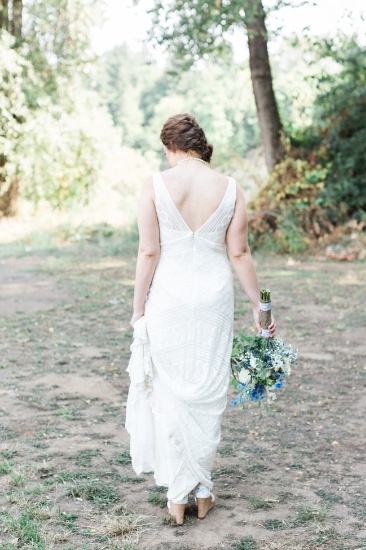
149,251
236,253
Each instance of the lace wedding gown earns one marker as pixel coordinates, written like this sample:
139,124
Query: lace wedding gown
180,362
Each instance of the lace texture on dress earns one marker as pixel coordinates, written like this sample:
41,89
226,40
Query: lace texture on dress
181,351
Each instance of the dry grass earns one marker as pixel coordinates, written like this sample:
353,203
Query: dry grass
282,546
124,522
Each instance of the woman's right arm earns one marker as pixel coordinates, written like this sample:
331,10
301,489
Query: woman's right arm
241,258
149,249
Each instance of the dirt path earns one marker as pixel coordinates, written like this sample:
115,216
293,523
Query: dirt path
291,480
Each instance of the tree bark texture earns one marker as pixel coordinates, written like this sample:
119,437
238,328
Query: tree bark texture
9,199
260,71
4,14
17,18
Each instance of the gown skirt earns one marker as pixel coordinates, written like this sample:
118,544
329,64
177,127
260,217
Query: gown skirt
180,355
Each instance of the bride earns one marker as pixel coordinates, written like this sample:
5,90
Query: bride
189,218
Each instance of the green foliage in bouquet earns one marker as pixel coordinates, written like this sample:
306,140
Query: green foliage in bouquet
259,363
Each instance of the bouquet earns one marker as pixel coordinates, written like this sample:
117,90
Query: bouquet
260,364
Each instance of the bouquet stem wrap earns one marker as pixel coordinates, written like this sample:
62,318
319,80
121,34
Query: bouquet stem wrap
265,316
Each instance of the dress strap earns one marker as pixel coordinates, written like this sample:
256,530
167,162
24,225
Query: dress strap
222,216
156,185
232,192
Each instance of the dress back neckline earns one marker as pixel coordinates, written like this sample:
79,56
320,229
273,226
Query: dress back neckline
177,212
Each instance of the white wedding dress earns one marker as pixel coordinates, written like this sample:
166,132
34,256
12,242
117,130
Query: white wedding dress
180,362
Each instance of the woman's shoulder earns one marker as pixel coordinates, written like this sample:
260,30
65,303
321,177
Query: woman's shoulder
148,186
221,176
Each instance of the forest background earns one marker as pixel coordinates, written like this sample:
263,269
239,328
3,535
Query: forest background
79,132
81,108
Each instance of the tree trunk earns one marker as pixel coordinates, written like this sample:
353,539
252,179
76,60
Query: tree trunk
4,14
17,18
260,71
9,199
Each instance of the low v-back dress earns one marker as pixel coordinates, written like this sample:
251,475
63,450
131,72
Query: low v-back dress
180,362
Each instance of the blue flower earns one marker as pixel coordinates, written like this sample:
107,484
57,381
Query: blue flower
279,384
257,393
234,403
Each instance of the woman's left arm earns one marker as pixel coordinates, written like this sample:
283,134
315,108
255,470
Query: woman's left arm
149,249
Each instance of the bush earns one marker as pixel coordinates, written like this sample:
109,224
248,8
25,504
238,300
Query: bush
320,184
340,114
287,213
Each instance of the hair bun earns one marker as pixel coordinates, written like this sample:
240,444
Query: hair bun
207,153
183,133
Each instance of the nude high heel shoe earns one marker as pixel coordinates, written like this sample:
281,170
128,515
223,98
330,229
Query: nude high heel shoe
204,505
204,500
177,511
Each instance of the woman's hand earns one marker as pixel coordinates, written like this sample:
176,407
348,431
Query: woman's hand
136,316
256,313
272,326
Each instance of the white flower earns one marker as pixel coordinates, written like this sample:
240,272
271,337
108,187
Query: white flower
244,376
253,361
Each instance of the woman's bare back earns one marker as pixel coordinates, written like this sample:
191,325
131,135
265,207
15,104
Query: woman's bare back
196,190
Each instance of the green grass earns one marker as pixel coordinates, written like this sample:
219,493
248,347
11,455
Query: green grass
226,450
70,414
35,491
8,455
96,491
225,471
5,468
17,480
157,499
159,489
45,471
67,519
120,546
297,466
224,506
127,479
168,520
7,433
257,503
329,497
307,514
257,468
25,529
123,458
274,524
325,536
359,507
66,475
84,458
245,543
38,510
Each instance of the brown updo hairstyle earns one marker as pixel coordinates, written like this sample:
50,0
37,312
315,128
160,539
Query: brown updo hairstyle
183,133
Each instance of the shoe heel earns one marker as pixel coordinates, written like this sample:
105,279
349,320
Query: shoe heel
204,505
177,511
